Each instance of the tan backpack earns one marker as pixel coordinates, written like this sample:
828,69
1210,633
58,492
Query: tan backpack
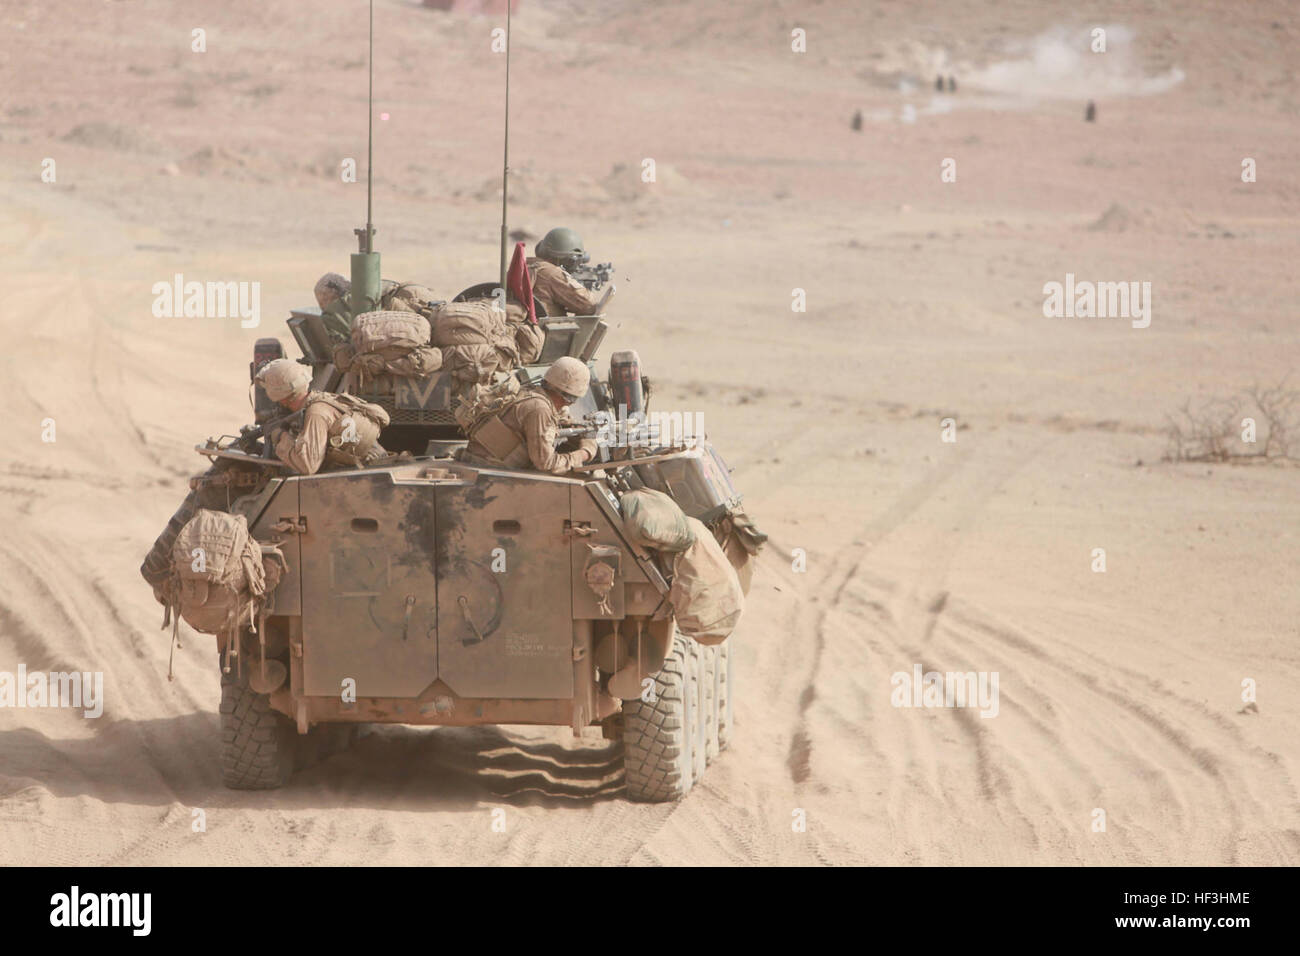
215,564
219,578
377,331
350,404
471,365
706,594
483,401
409,297
529,340
373,372
468,323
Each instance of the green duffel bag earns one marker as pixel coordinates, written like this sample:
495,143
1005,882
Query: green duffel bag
653,520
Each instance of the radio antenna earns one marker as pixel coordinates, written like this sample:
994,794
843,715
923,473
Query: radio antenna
368,245
366,287
505,153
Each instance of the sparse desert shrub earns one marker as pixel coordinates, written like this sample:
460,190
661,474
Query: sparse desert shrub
1221,429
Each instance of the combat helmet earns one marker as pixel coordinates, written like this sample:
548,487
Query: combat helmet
568,376
563,247
284,379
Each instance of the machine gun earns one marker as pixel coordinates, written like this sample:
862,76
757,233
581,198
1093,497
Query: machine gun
609,431
593,277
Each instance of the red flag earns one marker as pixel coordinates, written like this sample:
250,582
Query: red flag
520,283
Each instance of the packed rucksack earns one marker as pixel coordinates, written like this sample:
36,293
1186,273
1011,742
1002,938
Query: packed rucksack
219,577
654,520
705,595
386,344
476,322
410,297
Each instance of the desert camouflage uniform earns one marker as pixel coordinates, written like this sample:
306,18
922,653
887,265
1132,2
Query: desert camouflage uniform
557,291
337,318
321,439
533,422
333,296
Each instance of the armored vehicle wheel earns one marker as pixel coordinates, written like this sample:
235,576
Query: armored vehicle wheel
699,747
709,702
659,735
257,743
726,686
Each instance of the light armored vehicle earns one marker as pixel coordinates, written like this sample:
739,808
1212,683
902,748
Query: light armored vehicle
430,591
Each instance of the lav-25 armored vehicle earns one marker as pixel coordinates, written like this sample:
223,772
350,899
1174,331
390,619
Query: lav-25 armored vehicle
430,591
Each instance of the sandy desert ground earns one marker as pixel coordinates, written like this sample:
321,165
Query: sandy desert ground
1119,690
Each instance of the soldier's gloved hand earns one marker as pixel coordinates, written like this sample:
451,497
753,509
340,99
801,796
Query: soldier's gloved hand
589,448
283,445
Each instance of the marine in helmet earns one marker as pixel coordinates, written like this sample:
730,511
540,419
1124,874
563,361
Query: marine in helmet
332,297
336,310
330,288
524,432
558,254
337,430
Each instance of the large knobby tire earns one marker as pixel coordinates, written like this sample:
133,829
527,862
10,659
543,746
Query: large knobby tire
257,743
717,680
726,685
708,704
659,735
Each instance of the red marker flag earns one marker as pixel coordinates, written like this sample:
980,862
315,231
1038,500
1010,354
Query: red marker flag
520,283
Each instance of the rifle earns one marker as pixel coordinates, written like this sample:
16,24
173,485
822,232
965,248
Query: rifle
242,447
251,433
593,277
610,432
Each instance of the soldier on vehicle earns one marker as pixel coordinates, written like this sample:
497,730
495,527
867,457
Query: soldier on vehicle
338,430
330,287
336,308
558,254
332,297
524,432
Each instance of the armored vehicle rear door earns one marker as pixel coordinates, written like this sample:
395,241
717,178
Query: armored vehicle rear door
505,622
368,584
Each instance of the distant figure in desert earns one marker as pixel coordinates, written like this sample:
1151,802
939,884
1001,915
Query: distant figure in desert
1090,115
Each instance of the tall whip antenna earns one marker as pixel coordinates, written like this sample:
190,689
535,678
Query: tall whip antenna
368,244
364,295
505,156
